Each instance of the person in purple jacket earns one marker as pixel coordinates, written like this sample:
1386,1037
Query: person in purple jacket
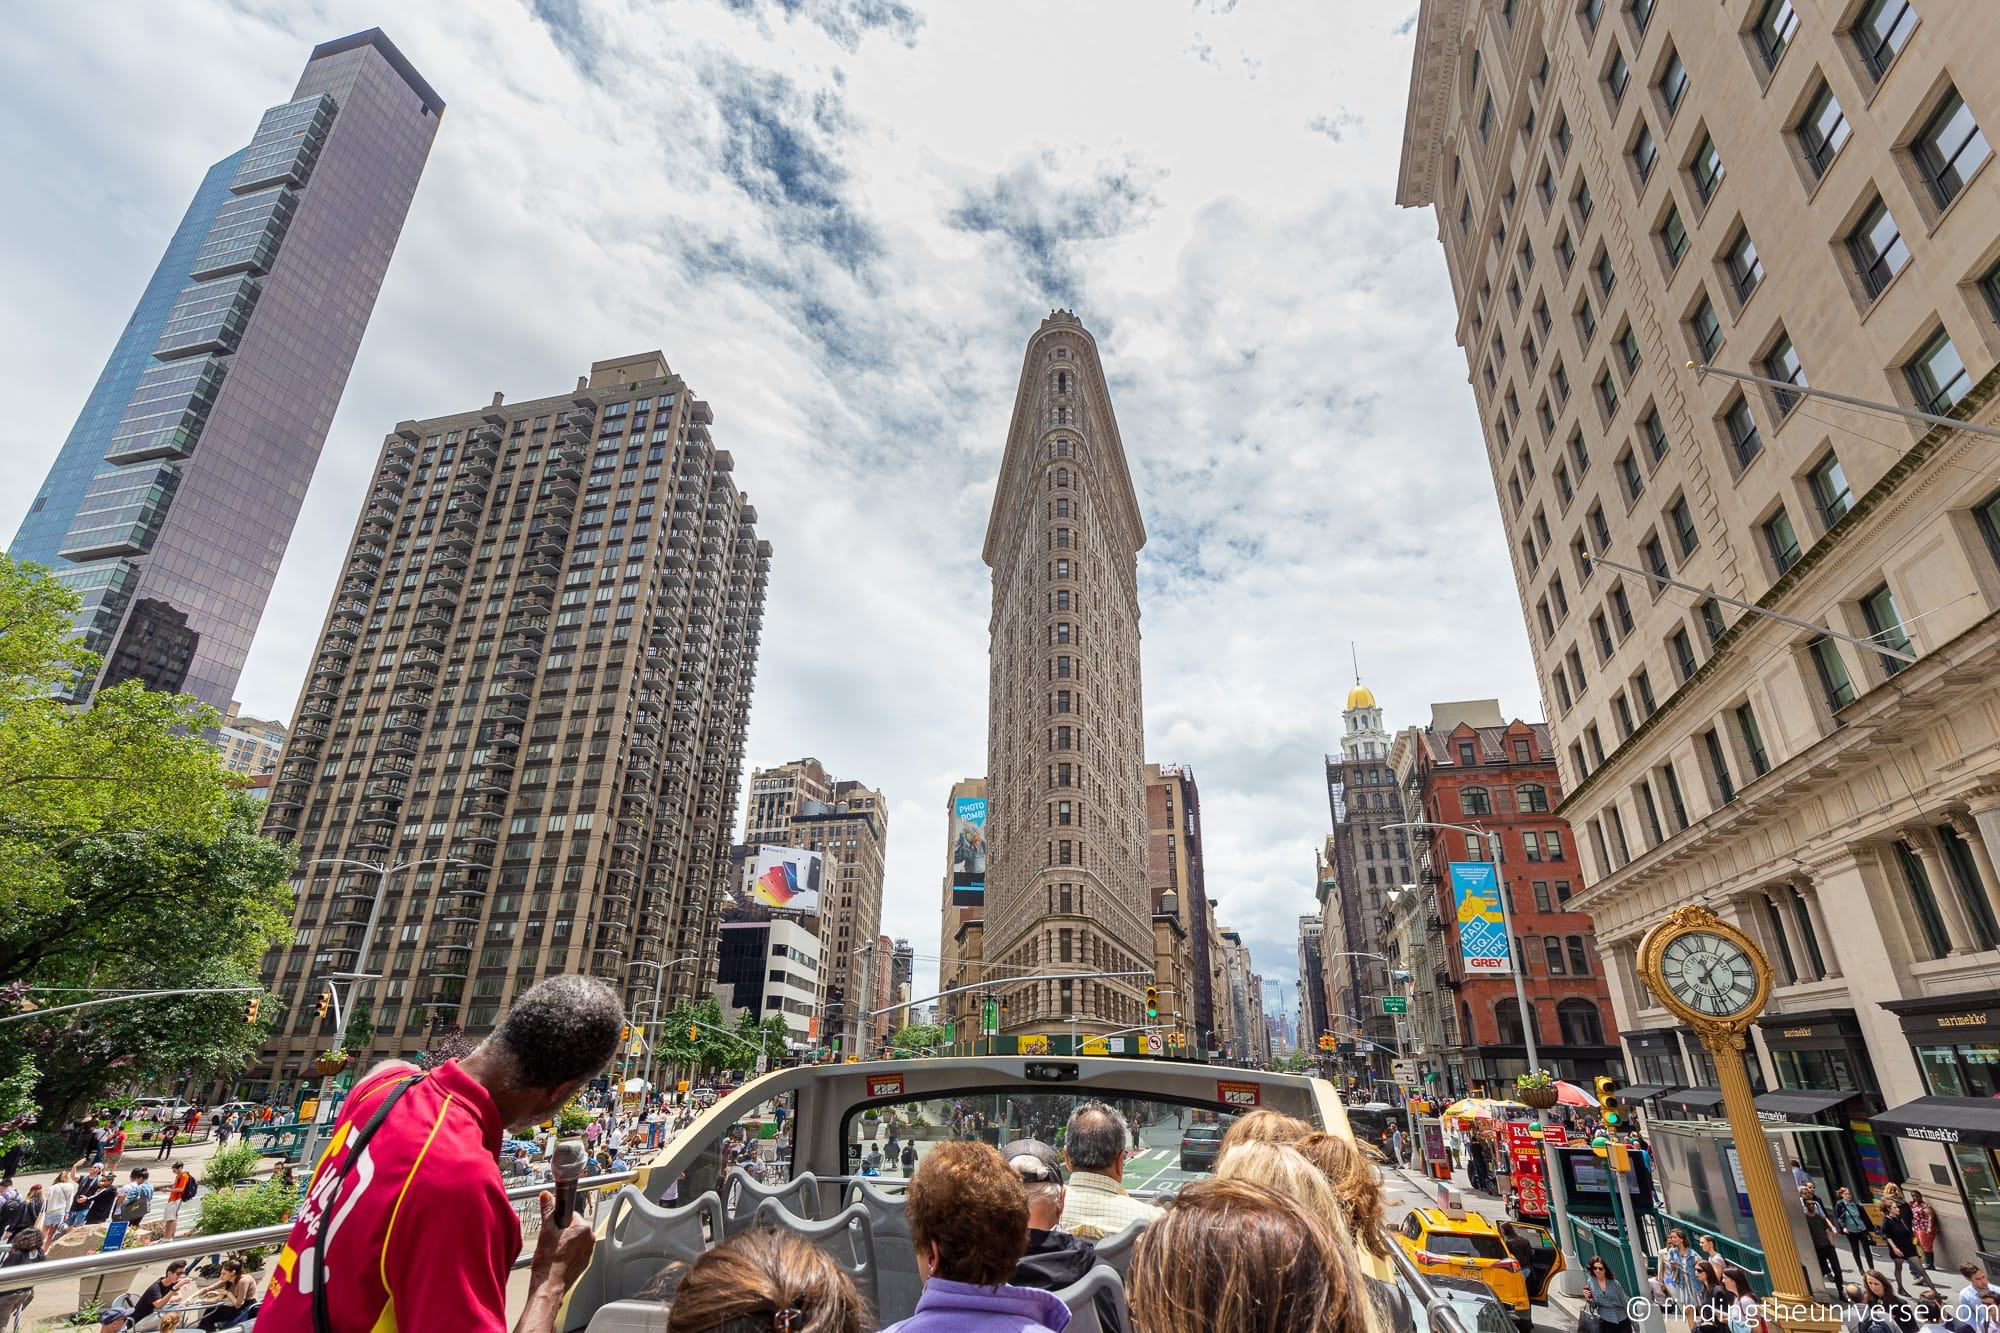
968,1218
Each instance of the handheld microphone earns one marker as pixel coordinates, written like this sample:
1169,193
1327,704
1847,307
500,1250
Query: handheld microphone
565,1169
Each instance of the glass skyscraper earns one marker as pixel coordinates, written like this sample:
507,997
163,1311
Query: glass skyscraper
172,501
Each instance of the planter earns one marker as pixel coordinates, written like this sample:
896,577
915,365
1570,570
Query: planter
1541,1099
329,1065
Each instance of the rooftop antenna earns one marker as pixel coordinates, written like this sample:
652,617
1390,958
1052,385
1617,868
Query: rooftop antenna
1356,655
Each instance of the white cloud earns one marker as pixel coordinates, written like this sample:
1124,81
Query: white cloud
841,219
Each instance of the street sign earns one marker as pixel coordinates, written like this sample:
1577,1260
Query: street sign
1395,1004
1555,1136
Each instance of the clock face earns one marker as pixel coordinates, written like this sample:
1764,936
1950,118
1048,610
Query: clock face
1709,973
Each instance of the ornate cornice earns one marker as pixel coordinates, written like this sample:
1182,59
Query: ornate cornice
1425,117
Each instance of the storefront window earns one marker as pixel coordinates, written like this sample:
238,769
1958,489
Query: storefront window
1982,1191
1970,1070
1657,1067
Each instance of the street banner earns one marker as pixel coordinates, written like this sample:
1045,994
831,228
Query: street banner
1530,1185
1482,928
968,851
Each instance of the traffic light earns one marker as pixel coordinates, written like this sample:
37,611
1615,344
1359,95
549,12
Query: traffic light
624,1034
250,1010
1609,1104
319,1007
1152,1003
694,1032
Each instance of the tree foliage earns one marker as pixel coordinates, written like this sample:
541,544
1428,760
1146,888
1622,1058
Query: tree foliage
920,1037
129,859
360,1029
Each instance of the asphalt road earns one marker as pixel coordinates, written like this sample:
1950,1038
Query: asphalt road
1404,1194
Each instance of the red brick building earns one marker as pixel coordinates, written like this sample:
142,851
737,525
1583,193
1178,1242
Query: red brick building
1473,767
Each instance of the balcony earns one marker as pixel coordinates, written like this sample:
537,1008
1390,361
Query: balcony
459,519
289,795
451,557
371,552
397,743
404,720
378,518
455,541
399,458
437,599
491,778
390,768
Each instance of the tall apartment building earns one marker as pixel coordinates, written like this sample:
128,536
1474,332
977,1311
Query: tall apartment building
1065,730
1362,862
1181,933
1313,1019
769,964
799,804
1803,192
172,500
249,745
1473,767
1239,1002
962,909
529,698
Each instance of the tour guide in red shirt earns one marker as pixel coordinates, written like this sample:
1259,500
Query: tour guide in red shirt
414,1232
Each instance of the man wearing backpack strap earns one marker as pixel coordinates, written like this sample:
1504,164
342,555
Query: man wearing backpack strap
177,1194
135,1198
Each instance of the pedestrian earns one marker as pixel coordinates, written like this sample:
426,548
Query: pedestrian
1897,1312
1603,1298
1096,1145
1744,1316
55,1207
1677,1263
176,1194
114,1146
85,1196
168,1133
1800,1178
1852,1219
1479,1165
1819,1226
1901,1239
1707,1316
136,1198
1923,1227
1973,1293
432,1143
1397,1144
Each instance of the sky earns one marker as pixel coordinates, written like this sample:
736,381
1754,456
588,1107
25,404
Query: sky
841,220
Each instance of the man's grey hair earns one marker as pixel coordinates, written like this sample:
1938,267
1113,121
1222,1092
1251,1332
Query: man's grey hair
1043,1191
561,1030
1095,1137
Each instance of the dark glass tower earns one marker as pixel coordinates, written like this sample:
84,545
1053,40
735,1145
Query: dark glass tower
173,499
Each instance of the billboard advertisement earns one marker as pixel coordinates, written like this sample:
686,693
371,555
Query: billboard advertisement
787,877
1482,930
968,851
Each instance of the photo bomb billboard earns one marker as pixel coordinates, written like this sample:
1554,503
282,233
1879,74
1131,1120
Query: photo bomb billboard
787,878
968,851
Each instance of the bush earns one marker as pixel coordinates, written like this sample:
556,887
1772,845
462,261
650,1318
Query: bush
228,1167
572,1118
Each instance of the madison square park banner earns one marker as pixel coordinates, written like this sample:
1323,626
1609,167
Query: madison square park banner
1482,927
968,851
788,878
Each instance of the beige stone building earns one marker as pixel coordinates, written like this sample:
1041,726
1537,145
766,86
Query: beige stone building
1066,828
1181,932
1800,190
528,703
249,745
800,805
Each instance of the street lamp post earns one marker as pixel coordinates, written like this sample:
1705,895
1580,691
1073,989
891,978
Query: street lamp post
1560,1201
660,971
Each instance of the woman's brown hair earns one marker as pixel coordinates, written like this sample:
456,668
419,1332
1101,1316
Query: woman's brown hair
1265,1126
1227,1254
972,1205
761,1280
1359,1188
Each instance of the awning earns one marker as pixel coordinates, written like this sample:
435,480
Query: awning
1796,1105
1695,1099
1640,1092
1945,1120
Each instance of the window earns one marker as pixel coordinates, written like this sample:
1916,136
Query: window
1622,712
1782,363
1707,328
1655,434
1532,797
1486,117
1542,319
1923,899
1642,686
1641,11
1582,199
1586,320
1629,475
1602,631
1673,82
1464,214
1878,249
1834,681
1741,423
1881,31
1547,184
1885,626
1575,661
1706,168
1592,12
1645,153
1682,519
1607,393
1950,148
1712,624
1988,516
1579,453
1776,23
1475,801
1617,75
1937,374
1682,649
1579,963
1718,764
1828,485
1745,269
1628,349
1780,540
1562,135
1552,951
1674,237
1607,276
1566,251
1621,609
1822,130
1655,556
1560,379
1565,492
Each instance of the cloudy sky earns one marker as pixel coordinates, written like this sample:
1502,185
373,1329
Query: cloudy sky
841,219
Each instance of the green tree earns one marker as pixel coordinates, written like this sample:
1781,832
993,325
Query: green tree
17,1104
920,1037
360,1029
777,1037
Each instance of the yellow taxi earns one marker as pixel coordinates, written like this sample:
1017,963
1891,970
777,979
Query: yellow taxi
1448,1241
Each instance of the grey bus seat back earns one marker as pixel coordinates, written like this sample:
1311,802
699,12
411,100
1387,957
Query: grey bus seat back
742,1196
847,1238
643,1243
899,1281
629,1317
1116,1248
1081,1298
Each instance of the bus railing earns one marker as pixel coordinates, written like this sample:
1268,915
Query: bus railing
160,1252
1439,1315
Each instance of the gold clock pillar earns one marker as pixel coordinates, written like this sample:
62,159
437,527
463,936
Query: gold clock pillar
1721,1016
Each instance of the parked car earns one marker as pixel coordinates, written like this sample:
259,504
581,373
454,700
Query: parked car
1479,1309
1199,1145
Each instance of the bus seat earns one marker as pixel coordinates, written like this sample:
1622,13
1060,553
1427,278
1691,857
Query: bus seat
846,1238
1081,1298
743,1196
1116,1249
898,1279
629,1317
640,1243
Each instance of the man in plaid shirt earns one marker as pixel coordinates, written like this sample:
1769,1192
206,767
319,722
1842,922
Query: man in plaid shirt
1095,1145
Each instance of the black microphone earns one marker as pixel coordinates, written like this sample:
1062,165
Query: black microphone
564,1171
